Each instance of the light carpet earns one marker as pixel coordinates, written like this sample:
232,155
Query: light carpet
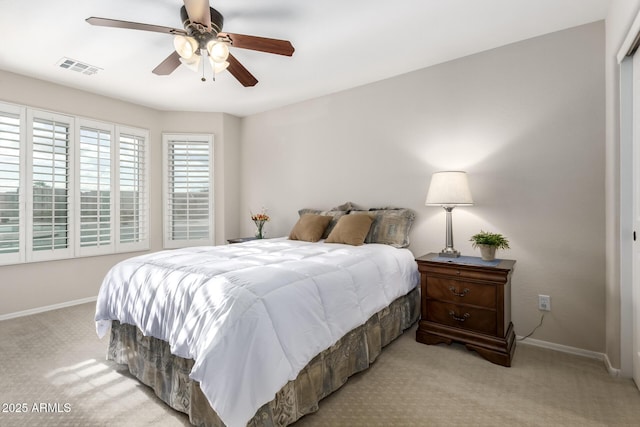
53,370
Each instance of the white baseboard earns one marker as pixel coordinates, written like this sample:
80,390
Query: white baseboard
564,349
46,308
614,372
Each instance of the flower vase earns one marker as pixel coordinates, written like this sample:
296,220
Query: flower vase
259,231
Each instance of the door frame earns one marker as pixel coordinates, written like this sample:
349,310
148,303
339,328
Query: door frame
626,195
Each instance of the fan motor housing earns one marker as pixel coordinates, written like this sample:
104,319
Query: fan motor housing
216,19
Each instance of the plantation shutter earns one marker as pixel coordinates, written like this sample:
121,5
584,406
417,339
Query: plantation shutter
70,187
188,191
50,225
10,185
133,201
95,189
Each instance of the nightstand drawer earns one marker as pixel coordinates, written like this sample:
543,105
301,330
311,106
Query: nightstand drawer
464,272
461,292
463,317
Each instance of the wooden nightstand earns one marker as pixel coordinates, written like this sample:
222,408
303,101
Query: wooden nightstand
467,302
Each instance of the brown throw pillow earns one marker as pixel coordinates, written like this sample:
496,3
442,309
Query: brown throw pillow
351,230
310,227
335,215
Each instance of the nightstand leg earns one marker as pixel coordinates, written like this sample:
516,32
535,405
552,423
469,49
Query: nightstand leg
496,350
497,357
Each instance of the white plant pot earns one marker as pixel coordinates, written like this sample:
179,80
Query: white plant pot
488,253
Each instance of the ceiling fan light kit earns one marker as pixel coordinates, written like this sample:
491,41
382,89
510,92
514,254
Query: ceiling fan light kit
185,46
218,50
202,36
190,53
192,63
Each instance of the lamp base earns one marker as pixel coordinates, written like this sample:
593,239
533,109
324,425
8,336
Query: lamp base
449,253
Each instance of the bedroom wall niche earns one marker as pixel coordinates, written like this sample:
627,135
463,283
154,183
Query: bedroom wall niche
225,129
526,122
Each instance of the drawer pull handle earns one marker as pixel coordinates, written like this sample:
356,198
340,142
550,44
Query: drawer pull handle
457,318
454,291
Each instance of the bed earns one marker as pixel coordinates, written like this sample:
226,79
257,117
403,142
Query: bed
258,333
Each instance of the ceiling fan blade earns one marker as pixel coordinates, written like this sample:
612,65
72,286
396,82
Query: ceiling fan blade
198,11
168,66
262,44
106,22
240,73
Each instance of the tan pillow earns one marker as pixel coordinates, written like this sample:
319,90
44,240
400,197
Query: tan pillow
309,227
351,229
335,215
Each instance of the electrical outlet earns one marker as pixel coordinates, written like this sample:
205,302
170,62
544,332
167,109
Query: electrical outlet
544,302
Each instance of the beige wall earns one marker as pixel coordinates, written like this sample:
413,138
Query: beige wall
526,121
35,285
618,321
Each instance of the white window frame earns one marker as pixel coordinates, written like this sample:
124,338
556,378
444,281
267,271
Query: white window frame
25,253
167,140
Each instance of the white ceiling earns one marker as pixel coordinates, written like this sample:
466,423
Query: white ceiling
339,44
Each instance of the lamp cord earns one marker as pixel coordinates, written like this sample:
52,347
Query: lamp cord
534,329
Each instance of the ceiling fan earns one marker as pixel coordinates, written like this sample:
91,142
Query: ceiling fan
201,37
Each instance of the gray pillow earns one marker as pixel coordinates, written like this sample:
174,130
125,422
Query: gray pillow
390,226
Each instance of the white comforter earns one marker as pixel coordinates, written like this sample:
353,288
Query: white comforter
252,315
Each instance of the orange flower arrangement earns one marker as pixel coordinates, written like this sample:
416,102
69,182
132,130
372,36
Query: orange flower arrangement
259,219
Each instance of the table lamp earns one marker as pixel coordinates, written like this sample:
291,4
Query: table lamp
449,189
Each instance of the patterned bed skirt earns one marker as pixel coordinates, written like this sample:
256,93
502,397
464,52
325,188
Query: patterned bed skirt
150,360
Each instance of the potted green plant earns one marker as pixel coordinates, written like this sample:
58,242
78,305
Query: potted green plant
488,243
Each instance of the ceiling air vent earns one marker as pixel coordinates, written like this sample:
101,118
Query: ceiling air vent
80,67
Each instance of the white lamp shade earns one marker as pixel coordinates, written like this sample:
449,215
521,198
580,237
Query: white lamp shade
449,188
193,64
185,46
218,51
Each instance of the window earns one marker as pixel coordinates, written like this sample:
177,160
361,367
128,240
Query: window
113,189
188,190
62,179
